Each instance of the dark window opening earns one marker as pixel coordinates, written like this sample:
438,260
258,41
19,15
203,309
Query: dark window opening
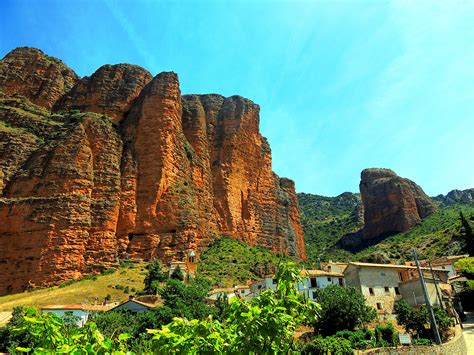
379,305
314,283
341,282
329,279
371,291
274,281
387,289
397,291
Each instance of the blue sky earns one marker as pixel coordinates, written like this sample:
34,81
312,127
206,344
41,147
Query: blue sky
342,85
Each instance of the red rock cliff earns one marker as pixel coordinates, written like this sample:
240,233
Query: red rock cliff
392,204
144,172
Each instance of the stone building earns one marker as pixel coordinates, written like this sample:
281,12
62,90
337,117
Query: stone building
384,284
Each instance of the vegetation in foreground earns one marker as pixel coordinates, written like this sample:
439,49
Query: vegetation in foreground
264,325
185,323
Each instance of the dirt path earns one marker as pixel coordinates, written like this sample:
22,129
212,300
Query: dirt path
469,332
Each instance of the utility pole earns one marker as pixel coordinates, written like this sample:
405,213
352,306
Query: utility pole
434,326
438,293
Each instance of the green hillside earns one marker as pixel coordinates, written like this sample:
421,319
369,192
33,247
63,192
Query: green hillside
325,220
229,262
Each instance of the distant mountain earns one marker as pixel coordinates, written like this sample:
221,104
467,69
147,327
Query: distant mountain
326,220
456,196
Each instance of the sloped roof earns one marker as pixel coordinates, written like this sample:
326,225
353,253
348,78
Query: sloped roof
316,273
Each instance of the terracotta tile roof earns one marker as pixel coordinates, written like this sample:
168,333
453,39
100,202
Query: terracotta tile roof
393,266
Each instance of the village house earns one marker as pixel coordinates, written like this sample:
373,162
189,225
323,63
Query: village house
230,292
312,279
334,266
134,306
443,262
384,284
78,310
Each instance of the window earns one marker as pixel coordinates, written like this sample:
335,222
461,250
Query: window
259,287
313,283
371,291
397,291
341,282
329,267
329,279
274,281
387,289
313,295
379,305
400,276
382,274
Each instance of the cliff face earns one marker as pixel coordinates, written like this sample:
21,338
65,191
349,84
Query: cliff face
391,204
143,173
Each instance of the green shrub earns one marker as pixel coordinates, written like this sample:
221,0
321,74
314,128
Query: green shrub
154,276
342,308
421,341
414,319
328,346
386,334
360,339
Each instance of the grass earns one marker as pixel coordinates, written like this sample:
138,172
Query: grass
228,262
325,220
437,235
5,127
86,291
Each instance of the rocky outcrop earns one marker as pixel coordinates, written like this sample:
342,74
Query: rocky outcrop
456,196
109,91
144,173
391,203
40,78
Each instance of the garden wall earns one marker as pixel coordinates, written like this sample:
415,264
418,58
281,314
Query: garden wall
456,346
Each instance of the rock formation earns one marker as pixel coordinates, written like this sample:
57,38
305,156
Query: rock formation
391,203
456,196
120,165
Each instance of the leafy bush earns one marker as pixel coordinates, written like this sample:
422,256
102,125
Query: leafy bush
266,324
177,274
421,341
154,276
386,334
360,339
342,308
414,319
328,346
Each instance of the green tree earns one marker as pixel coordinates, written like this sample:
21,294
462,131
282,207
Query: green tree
467,233
188,301
415,319
342,308
154,276
265,325
177,274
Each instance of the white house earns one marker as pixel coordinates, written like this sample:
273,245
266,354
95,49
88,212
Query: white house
314,279
236,291
133,306
311,280
77,310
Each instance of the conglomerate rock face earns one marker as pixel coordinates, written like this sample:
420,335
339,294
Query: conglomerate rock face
29,72
141,172
391,203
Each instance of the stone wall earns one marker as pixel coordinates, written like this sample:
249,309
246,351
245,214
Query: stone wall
456,346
